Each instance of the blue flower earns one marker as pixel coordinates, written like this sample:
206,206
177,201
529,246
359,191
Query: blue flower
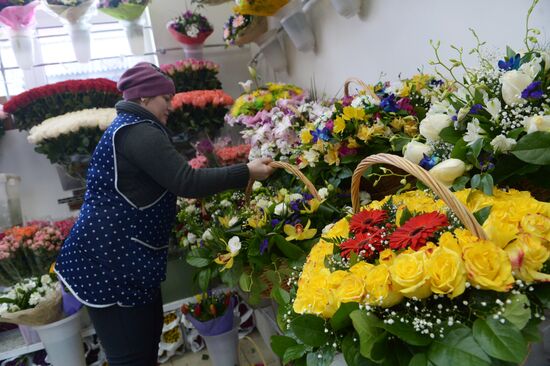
436,82
475,109
295,205
454,118
510,63
323,134
264,246
428,162
533,91
389,104
275,222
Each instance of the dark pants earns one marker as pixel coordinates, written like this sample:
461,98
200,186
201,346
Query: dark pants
129,335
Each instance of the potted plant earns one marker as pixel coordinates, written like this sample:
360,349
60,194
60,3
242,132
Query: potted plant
191,29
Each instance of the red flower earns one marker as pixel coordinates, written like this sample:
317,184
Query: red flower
417,231
369,243
366,220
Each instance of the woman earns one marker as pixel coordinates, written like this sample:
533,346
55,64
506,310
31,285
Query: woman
115,257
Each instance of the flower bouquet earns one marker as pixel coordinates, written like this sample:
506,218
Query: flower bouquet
128,13
259,7
190,74
70,139
242,29
263,99
18,16
198,113
33,106
407,280
76,15
190,29
495,128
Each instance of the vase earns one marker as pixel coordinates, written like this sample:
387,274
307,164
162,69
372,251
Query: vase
272,50
192,46
134,34
80,37
22,44
223,348
29,334
63,342
193,51
346,8
296,26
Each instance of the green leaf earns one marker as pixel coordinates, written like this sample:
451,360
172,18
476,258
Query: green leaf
310,330
420,359
407,334
203,279
279,344
371,336
460,183
354,258
290,250
460,150
476,181
542,290
350,349
327,355
398,142
515,133
341,320
487,184
281,296
458,347
534,148
198,257
502,341
405,216
510,52
294,352
474,151
518,311
483,214
245,282
531,332
450,135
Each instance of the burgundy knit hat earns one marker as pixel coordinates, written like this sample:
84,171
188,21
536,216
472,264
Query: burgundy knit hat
144,80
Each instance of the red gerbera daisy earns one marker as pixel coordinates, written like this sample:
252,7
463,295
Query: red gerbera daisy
364,221
417,230
369,243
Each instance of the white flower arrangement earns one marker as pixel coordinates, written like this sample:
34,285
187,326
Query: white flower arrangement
71,122
28,293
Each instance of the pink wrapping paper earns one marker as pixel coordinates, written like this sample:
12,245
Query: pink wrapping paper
18,16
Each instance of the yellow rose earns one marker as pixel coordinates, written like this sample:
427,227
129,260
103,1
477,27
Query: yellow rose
336,278
447,273
409,275
537,225
447,240
339,230
386,256
428,249
380,289
315,300
466,239
361,269
351,289
528,255
499,230
488,266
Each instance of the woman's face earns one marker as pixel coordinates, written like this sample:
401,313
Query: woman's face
160,106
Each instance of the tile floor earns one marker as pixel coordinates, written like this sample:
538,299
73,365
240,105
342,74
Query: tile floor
249,356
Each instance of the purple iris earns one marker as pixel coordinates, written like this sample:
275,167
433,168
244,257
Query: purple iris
295,205
405,105
475,109
388,104
533,91
323,134
428,162
264,246
307,196
275,222
510,63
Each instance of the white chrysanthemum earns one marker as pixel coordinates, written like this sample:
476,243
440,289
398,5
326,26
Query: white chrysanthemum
46,280
502,143
71,122
35,299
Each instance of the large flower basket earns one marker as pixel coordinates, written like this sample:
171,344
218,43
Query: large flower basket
20,20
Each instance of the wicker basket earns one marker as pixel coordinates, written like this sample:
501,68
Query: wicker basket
257,27
463,214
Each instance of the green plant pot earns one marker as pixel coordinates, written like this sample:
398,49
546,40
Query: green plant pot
179,281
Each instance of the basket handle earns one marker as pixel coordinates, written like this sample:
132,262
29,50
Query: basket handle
362,84
464,215
292,169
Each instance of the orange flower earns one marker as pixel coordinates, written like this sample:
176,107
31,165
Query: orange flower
201,98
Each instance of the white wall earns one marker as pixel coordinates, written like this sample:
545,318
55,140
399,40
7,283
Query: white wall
392,36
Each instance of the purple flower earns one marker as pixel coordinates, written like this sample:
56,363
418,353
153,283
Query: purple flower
510,63
264,246
428,162
533,91
475,109
205,146
405,105
436,82
346,101
307,196
454,118
329,124
388,104
295,205
275,222
345,151
323,134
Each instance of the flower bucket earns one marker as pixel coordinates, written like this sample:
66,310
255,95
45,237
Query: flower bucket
80,37
295,24
22,44
193,51
272,50
223,348
63,342
346,8
29,334
134,34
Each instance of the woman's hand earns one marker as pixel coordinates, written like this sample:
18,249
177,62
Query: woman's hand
259,168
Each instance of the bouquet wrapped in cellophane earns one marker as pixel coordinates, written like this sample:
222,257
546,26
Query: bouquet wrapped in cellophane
416,278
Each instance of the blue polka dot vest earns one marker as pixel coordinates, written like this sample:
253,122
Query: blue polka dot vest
116,252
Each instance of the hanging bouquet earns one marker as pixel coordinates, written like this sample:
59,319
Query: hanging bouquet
35,105
190,74
18,14
259,7
495,129
190,28
33,301
198,112
123,9
408,280
70,139
73,11
241,29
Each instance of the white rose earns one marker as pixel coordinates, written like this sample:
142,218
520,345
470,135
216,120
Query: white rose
263,203
414,151
441,107
323,193
257,185
234,244
502,143
448,170
311,156
191,238
281,209
537,123
207,235
513,83
494,107
531,68
431,126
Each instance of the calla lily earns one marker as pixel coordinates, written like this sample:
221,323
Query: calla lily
299,232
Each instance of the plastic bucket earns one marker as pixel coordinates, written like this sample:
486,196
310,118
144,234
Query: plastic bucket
63,342
193,51
298,30
29,334
346,8
223,348
273,51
